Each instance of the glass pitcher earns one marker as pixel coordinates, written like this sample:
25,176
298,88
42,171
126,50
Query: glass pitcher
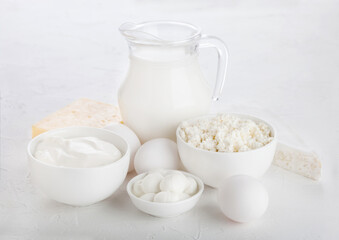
164,83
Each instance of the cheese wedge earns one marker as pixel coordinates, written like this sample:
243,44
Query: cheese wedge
83,112
298,161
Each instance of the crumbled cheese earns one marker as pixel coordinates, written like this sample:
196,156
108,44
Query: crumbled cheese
298,161
226,133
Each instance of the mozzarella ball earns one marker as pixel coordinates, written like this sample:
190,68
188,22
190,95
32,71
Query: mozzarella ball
163,197
167,197
148,197
180,196
151,183
137,188
159,153
174,183
192,186
242,198
129,136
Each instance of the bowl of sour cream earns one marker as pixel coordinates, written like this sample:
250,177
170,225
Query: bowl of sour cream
78,165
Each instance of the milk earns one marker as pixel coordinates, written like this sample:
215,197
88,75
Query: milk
161,89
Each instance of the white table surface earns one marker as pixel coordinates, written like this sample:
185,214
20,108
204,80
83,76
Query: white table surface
284,66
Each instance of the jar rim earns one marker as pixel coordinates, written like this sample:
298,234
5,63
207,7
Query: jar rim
160,33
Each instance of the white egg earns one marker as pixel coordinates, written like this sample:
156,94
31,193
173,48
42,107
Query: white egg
130,137
137,188
175,182
166,172
151,183
156,154
163,172
192,186
148,197
242,198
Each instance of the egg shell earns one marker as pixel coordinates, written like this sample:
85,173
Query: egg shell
130,137
156,154
163,172
174,182
242,198
148,197
151,183
170,172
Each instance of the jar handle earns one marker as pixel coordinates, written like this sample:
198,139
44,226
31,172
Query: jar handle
207,41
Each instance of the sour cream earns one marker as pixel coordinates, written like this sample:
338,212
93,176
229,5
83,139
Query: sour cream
80,152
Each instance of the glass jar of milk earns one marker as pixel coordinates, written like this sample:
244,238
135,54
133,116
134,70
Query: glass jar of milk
164,83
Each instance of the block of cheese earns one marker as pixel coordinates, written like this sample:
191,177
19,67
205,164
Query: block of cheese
83,112
298,161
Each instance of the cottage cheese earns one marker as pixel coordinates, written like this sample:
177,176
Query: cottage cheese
226,133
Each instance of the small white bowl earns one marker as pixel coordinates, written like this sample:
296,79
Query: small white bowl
79,186
214,167
164,210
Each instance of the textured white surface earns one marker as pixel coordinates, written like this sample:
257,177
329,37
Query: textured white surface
284,58
226,133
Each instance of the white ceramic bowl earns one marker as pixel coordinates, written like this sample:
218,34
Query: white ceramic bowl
79,186
165,209
214,167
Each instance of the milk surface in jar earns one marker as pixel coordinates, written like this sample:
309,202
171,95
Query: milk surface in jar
164,84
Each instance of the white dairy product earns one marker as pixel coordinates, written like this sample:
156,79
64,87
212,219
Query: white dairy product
137,188
158,94
148,196
298,161
165,186
192,186
174,183
79,152
167,196
130,137
164,197
226,133
151,183
183,196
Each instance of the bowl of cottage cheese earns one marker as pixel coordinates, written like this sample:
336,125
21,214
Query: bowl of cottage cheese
215,147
